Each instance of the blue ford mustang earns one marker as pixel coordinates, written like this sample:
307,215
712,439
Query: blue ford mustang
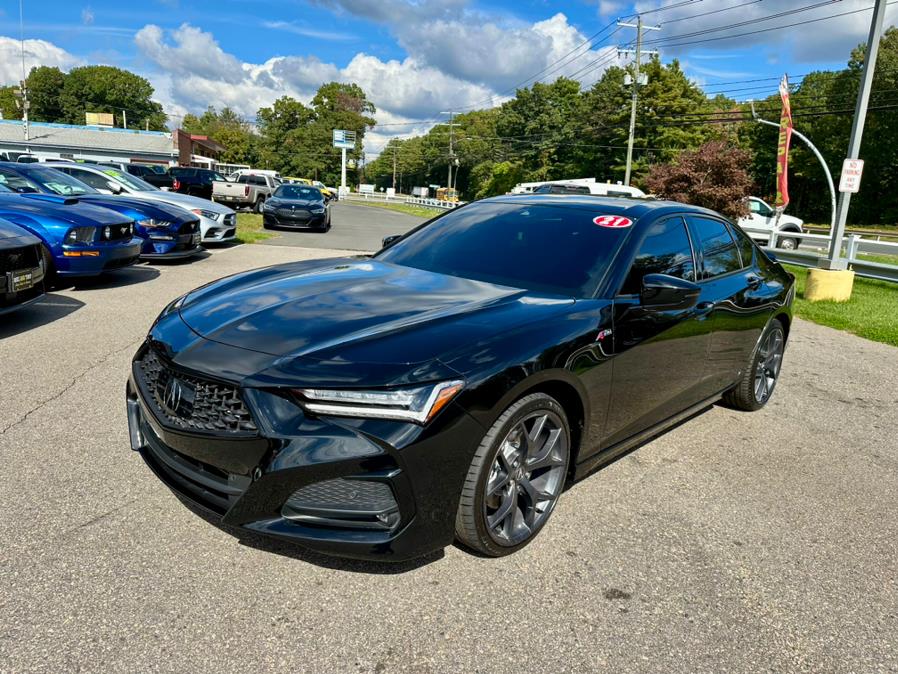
77,239
168,232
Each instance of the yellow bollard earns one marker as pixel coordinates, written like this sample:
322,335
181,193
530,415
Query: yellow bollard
829,284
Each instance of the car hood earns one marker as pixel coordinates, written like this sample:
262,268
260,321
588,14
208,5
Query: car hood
355,310
10,231
182,200
140,207
71,210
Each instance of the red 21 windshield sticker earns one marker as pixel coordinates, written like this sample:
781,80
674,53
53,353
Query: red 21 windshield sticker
612,221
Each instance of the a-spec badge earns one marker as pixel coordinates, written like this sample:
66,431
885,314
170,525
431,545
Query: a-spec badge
612,221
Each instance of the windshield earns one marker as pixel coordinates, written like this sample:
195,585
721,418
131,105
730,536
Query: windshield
544,248
297,192
35,179
128,180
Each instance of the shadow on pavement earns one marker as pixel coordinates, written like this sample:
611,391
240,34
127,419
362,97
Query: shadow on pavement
51,308
119,278
297,552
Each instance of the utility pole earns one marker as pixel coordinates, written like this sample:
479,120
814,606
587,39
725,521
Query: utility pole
637,80
451,144
25,104
835,259
394,168
124,118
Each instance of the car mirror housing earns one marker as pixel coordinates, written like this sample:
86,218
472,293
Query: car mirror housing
663,292
389,240
115,187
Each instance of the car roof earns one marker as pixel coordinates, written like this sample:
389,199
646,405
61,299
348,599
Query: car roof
633,208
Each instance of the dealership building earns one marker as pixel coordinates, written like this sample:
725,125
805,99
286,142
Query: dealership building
106,143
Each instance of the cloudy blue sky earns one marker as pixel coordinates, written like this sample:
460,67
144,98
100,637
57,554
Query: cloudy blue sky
416,58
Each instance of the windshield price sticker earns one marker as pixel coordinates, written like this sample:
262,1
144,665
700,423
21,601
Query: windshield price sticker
612,221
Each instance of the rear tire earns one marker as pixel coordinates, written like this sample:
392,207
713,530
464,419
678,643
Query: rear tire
761,373
257,207
518,473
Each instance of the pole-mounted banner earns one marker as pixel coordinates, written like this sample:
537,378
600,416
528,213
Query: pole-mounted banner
782,152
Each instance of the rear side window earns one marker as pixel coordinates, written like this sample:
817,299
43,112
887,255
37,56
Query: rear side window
746,249
719,252
665,250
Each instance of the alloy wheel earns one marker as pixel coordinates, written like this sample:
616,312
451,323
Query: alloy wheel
770,359
526,478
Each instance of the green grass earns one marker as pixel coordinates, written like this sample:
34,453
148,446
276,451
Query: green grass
872,311
250,230
881,259
408,209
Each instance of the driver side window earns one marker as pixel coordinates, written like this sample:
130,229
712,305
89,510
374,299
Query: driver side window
665,250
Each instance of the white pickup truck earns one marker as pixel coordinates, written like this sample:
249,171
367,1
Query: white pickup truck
761,220
250,189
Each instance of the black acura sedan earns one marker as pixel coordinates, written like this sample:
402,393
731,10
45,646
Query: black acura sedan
296,206
447,387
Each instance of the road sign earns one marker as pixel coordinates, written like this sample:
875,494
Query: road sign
344,139
850,181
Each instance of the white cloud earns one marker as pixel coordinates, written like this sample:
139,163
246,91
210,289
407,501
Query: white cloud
37,53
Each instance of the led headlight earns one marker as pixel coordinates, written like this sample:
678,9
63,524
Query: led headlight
211,215
80,235
150,223
419,404
318,211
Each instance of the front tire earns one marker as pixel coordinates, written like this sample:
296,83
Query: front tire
515,478
761,372
50,277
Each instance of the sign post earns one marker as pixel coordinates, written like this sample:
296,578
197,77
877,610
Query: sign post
835,259
345,140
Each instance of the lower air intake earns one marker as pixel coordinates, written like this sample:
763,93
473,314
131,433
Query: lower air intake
344,503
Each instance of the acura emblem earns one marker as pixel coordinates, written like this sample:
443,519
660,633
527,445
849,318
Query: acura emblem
173,393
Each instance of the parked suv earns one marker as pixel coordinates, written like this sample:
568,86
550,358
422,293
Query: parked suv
156,175
196,182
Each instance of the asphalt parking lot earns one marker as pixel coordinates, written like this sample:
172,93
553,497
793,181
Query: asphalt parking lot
353,227
735,542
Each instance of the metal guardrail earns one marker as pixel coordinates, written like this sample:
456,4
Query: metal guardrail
435,203
852,246
382,197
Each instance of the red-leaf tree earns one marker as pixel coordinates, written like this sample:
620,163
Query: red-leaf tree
714,176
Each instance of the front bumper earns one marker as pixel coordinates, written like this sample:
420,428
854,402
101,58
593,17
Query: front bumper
295,220
219,231
177,247
93,260
258,481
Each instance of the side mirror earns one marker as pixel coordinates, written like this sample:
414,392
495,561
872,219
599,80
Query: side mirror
115,187
771,256
668,293
389,240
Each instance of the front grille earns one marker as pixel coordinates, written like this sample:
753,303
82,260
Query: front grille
17,259
121,232
120,262
201,404
296,215
190,227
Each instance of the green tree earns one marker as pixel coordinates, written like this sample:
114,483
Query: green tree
113,90
45,86
8,107
228,129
